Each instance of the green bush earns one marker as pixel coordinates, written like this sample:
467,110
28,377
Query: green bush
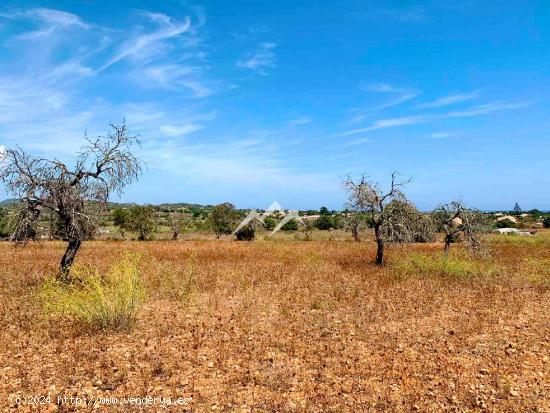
324,222
222,219
120,217
104,302
270,223
291,225
246,233
546,222
505,223
141,219
4,223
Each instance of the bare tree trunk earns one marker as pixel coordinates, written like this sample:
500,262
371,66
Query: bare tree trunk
448,240
355,232
68,259
380,245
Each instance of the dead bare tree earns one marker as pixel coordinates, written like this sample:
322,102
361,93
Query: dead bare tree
76,195
367,197
455,219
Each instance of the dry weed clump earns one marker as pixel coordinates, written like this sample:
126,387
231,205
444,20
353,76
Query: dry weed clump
107,301
537,270
172,280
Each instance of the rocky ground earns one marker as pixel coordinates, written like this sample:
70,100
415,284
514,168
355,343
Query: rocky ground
287,326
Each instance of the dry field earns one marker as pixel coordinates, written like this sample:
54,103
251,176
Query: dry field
276,326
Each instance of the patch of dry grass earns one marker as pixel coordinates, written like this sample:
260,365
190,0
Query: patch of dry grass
457,265
107,301
293,326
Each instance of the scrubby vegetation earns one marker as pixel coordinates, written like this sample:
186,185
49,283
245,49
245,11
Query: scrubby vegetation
101,301
246,233
458,266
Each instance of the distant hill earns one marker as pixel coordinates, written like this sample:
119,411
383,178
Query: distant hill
174,206
9,202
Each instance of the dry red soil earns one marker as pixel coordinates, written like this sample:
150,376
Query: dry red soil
287,326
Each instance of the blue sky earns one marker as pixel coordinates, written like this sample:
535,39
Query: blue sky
253,102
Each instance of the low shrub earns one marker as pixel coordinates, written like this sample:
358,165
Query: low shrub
104,302
291,225
505,223
324,222
246,233
269,223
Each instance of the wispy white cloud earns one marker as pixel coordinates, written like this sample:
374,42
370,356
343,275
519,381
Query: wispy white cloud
450,100
262,59
395,101
488,108
359,141
144,45
180,130
407,15
49,21
19,98
174,77
387,123
69,68
299,121
440,135
380,87
417,119
246,163
405,120
403,95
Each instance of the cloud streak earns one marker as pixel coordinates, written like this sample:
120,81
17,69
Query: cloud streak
386,123
440,135
488,108
180,130
49,21
479,110
450,100
146,45
410,15
262,59
299,121
403,95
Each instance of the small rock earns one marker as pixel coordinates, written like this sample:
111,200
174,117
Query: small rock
514,393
